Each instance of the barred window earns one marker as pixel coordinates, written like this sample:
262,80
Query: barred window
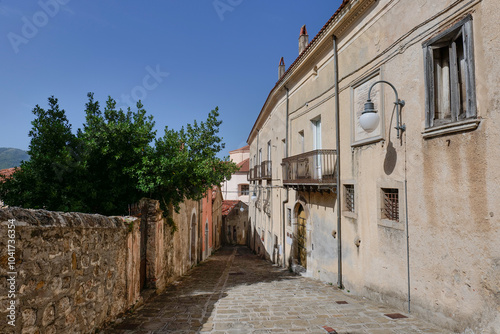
349,197
390,204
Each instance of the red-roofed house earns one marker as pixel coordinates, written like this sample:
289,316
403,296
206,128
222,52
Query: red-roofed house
237,188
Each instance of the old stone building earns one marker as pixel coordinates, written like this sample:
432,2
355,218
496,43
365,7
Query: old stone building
398,205
235,222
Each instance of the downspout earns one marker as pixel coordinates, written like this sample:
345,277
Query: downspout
337,132
283,177
255,186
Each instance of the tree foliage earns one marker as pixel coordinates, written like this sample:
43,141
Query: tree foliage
183,164
114,160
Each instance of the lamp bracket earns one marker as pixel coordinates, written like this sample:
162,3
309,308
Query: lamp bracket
401,127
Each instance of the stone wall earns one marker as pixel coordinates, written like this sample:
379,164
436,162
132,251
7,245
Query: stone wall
74,271
169,244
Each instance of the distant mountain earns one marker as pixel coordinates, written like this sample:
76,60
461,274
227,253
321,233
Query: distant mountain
12,157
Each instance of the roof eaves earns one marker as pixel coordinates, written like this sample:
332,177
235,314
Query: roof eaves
289,70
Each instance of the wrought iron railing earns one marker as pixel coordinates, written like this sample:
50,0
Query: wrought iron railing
266,170
250,176
310,168
257,172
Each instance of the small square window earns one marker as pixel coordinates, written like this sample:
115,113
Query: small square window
349,197
244,189
390,204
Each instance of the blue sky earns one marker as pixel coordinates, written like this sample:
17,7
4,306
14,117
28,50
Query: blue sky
182,58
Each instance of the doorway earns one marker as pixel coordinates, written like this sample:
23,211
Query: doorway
301,237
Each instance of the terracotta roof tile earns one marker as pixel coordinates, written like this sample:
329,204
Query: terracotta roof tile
228,206
241,149
7,173
244,166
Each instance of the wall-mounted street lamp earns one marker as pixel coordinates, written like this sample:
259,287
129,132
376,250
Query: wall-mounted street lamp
254,196
369,118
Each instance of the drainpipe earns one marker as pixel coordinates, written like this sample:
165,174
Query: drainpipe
283,177
255,204
337,131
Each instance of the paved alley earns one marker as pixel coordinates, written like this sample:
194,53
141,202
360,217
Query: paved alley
236,292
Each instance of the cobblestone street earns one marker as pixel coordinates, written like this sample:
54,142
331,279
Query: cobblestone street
236,292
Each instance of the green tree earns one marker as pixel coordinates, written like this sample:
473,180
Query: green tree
45,181
111,161
114,143
184,164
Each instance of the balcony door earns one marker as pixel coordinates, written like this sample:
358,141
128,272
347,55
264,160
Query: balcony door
316,123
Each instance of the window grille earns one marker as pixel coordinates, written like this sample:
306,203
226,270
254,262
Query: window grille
349,197
390,206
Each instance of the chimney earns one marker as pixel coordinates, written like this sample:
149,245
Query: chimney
281,68
303,39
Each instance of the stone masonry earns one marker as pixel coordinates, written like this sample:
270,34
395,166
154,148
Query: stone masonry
74,271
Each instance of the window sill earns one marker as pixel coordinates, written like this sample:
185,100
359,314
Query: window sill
350,214
467,125
391,223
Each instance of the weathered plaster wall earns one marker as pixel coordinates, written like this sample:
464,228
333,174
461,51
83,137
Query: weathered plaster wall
452,184
74,271
453,179
231,187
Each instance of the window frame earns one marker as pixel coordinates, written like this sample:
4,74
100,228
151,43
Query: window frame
382,221
448,38
386,192
346,212
240,189
349,197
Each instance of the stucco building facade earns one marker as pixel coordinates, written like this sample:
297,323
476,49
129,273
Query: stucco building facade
406,216
237,187
211,222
